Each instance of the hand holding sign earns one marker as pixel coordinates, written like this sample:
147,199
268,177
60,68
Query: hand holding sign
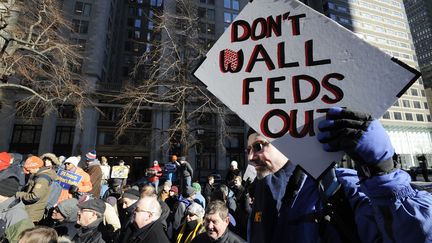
282,67
360,136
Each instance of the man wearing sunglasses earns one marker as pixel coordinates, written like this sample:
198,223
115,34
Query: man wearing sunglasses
380,204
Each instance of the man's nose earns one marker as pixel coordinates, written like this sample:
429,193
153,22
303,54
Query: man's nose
250,155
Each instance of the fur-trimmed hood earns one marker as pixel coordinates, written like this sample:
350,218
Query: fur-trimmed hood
52,157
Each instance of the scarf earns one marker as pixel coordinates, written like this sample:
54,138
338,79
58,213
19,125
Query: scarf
190,236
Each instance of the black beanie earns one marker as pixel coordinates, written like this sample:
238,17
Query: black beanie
9,187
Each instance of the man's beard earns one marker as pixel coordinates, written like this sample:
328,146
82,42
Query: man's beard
262,170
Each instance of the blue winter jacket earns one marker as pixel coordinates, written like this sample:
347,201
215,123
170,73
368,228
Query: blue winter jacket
386,209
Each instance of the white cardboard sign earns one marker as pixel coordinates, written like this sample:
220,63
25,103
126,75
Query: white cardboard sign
280,64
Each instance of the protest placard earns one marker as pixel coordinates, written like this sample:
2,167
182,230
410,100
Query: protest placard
119,171
280,65
67,178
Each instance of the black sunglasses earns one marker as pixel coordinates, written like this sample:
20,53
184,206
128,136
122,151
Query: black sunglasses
256,147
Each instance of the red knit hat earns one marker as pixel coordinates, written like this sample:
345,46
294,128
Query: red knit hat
5,159
174,189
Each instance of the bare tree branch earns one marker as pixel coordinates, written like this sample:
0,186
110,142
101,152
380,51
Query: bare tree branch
38,58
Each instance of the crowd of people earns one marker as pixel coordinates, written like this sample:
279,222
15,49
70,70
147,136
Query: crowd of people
55,199
38,203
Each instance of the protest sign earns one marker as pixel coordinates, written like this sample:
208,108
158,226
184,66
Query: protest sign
119,171
250,173
281,64
67,178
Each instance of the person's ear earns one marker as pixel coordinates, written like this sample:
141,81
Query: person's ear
227,220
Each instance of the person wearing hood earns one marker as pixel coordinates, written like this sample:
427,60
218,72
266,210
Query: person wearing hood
35,194
129,199
193,224
95,172
199,198
51,161
180,208
65,218
90,217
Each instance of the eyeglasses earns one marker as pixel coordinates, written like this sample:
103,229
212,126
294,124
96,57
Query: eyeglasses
86,210
137,210
256,147
190,214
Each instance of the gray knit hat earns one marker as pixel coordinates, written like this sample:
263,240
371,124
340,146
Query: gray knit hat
69,209
196,209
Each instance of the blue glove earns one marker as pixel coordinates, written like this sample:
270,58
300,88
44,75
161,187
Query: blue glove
359,135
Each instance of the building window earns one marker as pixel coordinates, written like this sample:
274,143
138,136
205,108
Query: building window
201,12
125,71
227,17
137,23
422,93
80,43
83,9
227,3
386,115
206,119
426,106
396,103
155,3
64,135
210,14
66,111
80,26
397,115
406,103
137,34
131,11
26,134
232,4
428,118
408,116
235,4
417,104
419,117
211,29
414,92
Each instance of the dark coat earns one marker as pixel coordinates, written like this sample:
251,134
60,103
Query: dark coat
90,233
185,170
208,191
68,229
152,232
231,174
227,237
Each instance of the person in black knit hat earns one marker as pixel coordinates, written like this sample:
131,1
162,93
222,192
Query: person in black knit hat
13,216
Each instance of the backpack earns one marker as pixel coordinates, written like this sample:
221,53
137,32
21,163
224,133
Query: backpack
14,170
55,191
337,212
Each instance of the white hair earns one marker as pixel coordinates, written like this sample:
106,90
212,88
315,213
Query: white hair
151,204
